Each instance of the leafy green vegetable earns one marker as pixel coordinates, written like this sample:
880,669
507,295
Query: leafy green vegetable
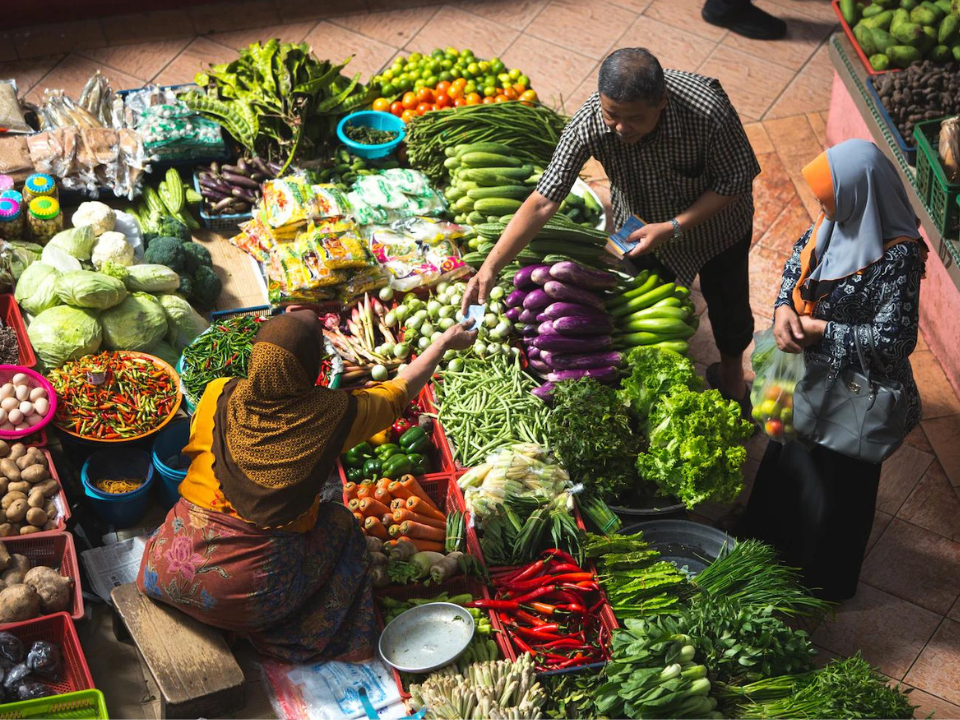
64,333
593,435
77,241
36,290
183,322
87,289
695,450
135,324
402,572
655,372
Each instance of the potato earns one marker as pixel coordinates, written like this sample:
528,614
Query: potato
29,530
10,470
36,499
21,486
48,487
17,510
4,485
7,529
53,589
49,508
39,458
36,517
34,474
19,603
4,557
51,525
25,462
4,448
17,451
10,498
16,570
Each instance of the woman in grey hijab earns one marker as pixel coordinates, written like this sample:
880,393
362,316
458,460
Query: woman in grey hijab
854,274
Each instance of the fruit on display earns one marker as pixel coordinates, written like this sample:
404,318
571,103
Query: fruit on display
896,34
773,407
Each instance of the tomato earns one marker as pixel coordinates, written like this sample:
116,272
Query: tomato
459,102
381,104
770,408
511,94
455,92
397,108
501,98
423,108
443,100
773,393
773,428
460,82
425,95
786,415
514,74
409,100
488,100
529,96
408,115
443,86
473,99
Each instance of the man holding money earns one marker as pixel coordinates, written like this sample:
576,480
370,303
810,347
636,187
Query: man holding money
677,157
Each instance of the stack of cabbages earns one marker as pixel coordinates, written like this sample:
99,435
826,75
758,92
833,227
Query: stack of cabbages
86,293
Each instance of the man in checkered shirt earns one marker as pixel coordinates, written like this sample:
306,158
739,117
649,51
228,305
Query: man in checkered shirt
677,157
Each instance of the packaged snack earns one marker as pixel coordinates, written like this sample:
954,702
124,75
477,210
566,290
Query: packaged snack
362,281
409,182
330,201
298,266
339,250
287,202
254,239
430,230
367,214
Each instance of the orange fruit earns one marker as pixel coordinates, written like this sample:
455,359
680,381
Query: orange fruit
381,104
409,100
473,98
408,115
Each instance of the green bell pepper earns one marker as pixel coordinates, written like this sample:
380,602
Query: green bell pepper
420,463
396,465
414,440
356,456
355,475
372,469
387,450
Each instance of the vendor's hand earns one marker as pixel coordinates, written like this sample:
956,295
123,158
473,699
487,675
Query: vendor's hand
457,337
478,290
788,330
649,238
813,330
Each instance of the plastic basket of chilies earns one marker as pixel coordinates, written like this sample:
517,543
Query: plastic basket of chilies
82,705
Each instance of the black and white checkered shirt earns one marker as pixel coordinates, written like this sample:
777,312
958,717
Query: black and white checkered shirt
699,145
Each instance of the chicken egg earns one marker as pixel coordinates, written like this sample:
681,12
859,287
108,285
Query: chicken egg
9,403
23,392
37,393
8,427
34,419
15,417
8,390
26,407
20,378
21,427
3,416
41,407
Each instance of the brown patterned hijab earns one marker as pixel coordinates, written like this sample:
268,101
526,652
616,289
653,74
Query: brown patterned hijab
276,435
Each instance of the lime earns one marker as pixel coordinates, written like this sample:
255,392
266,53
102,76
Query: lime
514,74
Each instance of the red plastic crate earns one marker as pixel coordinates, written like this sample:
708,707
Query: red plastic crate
11,316
58,629
442,441
60,500
848,31
55,550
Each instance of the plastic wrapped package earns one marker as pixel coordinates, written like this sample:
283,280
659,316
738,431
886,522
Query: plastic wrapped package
430,230
11,116
297,266
255,239
399,255
44,660
287,203
777,375
330,201
362,281
338,245
279,296
11,647
172,131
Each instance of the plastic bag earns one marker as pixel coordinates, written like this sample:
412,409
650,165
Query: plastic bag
288,202
949,147
11,647
44,660
777,375
11,116
330,201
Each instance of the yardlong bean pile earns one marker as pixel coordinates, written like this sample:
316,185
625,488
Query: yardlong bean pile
487,405
531,131
222,351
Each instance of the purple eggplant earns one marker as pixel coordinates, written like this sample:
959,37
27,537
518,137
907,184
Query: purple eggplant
579,276
528,316
515,299
536,300
533,353
539,366
541,275
544,392
546,328
562,343
557,310
580,326
522,281
513,314
530,331
581,361
563,292
542,318
607,374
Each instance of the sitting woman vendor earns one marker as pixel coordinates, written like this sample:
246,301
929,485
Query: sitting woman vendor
250,547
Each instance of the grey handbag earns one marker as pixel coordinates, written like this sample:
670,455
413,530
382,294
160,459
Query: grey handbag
847,411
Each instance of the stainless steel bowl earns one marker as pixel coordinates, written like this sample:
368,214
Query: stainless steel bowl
427,637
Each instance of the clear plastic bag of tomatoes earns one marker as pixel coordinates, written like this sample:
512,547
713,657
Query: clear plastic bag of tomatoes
777,374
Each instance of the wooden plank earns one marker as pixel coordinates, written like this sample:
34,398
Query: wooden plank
242,284
194,669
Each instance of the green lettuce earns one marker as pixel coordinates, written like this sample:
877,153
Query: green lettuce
64,333
696,451
655,372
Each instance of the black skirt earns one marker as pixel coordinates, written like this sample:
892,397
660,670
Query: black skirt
816,507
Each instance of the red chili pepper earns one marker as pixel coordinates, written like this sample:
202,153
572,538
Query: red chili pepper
538,593
531,571
573,608
595,608
528,618
582,587
509,605
536,582
522,645
534,635
543,608
564,567
555,552
566,644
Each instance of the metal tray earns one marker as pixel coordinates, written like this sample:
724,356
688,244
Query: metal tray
689,545
427,637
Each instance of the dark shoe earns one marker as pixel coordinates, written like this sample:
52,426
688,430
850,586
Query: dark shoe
713,380
751,22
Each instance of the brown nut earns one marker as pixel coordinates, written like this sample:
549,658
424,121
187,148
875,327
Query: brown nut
36,517
36,499
10,470
21,486
10,498
49,487
34,474
29,530
6,530
17,510
17,451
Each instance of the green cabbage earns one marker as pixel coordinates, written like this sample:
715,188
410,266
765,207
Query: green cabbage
183,322
64,333
60,259
135,324
165,351
24,254
37,288
87,289
151,279
77,241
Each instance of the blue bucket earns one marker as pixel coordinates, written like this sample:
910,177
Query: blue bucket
119,510
167,460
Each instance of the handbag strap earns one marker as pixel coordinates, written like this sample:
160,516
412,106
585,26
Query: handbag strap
863,362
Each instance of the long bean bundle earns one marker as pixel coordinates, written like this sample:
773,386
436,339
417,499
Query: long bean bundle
487,405
222,351
531,131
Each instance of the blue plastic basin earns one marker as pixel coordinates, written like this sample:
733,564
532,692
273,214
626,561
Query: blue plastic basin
168,461
119,510
378,121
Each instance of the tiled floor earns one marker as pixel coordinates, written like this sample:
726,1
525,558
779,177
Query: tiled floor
906,617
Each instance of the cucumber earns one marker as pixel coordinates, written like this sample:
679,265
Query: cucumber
474,218
489,147
494,175
453,193
495,206
486,159
514,192
467,185
451,163
464,204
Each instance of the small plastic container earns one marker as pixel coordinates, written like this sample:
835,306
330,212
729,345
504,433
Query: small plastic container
44,219
13,195
39,185
169,462
121,510
6,183
377,121
11,219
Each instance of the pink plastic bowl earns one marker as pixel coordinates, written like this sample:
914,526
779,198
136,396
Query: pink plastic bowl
6,375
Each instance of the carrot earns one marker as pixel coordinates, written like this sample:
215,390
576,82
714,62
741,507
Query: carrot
390,543
411,484
374,527
421,508
372,506
398,503
402,515
382,483
353,505
426,545
387,520
424,532
350,490
383,496
360,518
394,531
398,490
366,490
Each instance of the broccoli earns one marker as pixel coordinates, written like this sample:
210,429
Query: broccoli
206,288
186,287
170,226
167,251
197,256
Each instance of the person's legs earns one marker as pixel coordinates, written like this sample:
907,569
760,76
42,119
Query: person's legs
725,284
744,18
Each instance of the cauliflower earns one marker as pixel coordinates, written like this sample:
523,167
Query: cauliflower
112,246
100,217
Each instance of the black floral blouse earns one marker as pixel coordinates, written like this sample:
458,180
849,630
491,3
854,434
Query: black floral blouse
881,303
